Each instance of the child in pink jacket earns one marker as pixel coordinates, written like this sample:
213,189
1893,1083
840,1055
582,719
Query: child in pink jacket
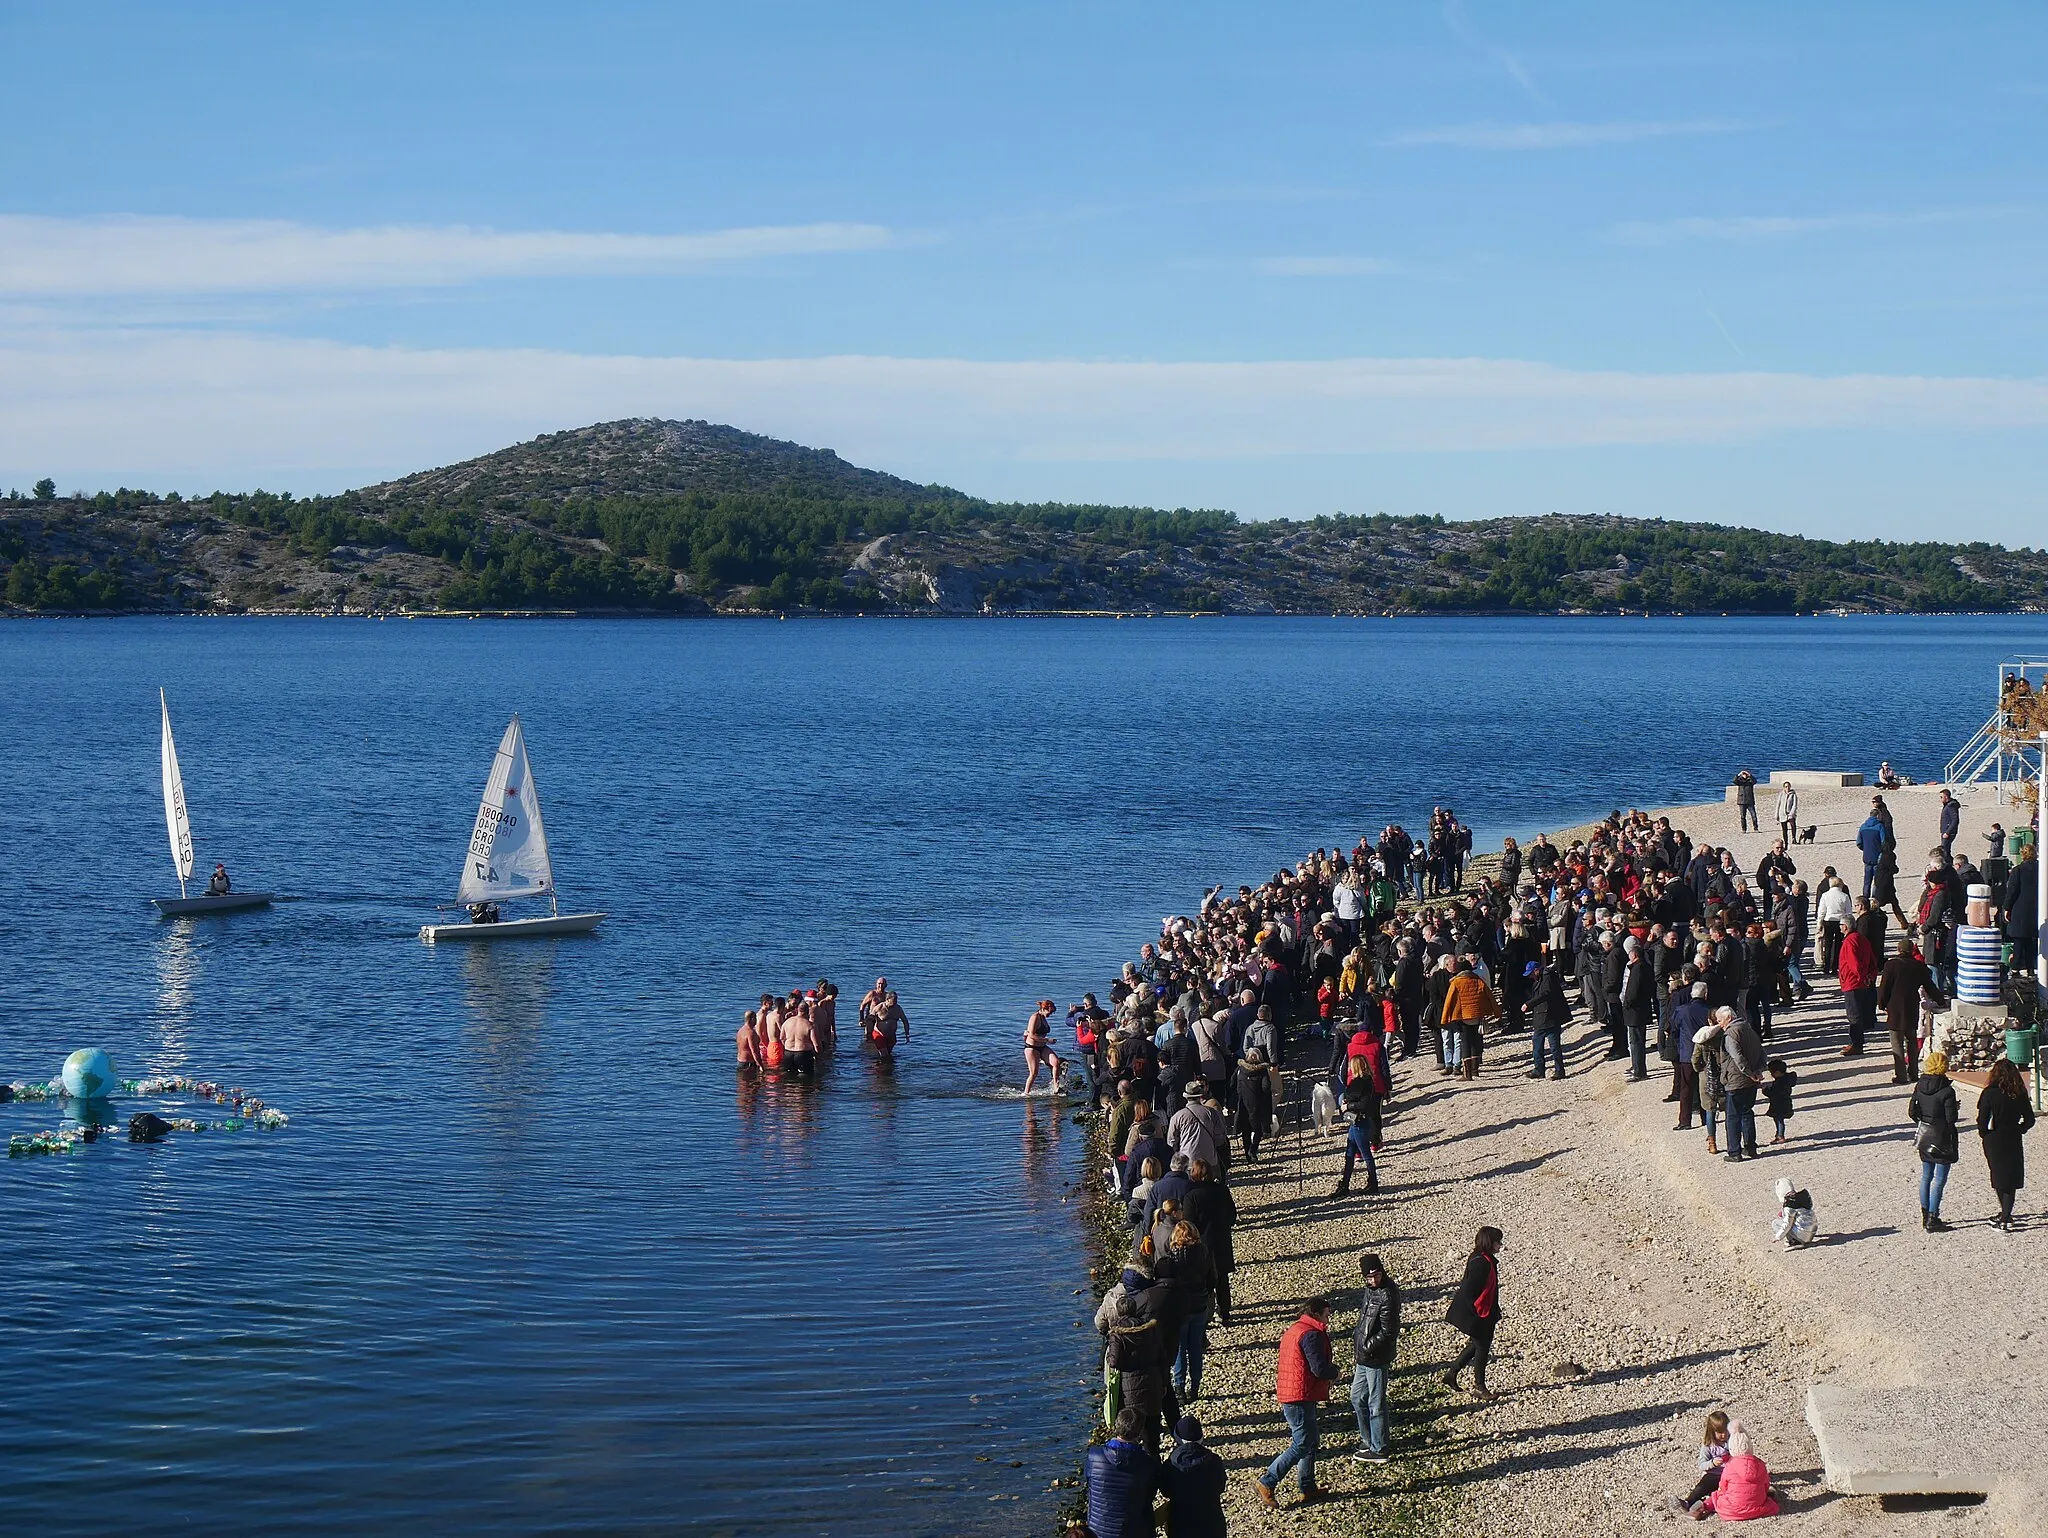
1745,1490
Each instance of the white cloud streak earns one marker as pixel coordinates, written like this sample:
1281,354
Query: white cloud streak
47,257
1462,28
1324,266
219,409
1553,136
1661,232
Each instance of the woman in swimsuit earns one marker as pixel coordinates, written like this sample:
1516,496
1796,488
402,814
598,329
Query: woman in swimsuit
1038,1048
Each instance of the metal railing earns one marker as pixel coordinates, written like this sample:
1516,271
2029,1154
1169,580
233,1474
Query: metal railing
1979,754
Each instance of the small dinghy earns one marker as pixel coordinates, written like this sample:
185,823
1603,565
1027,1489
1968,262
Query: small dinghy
508,857
180,824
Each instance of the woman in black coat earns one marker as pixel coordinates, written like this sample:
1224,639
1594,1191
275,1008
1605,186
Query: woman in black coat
1475,1310
2003,1118
1934,1107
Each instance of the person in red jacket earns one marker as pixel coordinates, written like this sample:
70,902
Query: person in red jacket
1745,1488
1857,969
1305,1371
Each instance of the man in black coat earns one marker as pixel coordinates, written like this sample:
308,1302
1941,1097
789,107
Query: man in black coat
1373,1344
1192,1479
1638,1007
2022,909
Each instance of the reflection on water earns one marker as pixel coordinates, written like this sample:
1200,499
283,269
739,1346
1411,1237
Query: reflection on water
177,977
507,989
1040,1132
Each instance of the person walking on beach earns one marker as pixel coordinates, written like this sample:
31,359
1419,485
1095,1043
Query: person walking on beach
2004,1116
1373,1344
1788,816
1951,824
1745,801
1193,1479
1039,1051
1742,1074
1302,1380
1468,1004
1121,1479
1902,984
1475,1311
1857,971
1934,1109
1870,839
1833,914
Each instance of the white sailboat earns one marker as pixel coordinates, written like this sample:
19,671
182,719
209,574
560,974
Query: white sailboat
508,856
180,825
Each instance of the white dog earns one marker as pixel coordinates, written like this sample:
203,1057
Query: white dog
1324,1106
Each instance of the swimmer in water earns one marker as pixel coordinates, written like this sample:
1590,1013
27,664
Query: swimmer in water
747,1046
799,1042
825,1014
886,1021
1038,1048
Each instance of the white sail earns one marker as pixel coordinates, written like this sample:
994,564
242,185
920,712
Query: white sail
175,818
508,849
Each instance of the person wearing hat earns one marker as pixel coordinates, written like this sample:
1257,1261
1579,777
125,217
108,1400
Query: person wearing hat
1199,1129
1372,1350
1192,1479
1121,1478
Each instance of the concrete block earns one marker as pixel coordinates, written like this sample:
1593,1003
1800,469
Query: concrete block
1820,778
1919,1441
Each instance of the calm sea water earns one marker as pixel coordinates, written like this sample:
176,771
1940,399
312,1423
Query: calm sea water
527,1259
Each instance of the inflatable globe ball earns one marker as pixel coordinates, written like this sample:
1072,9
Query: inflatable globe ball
89,1075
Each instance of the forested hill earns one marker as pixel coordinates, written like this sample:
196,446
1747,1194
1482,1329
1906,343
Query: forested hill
689,517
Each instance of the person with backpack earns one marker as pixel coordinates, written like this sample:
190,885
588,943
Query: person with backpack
1302,1379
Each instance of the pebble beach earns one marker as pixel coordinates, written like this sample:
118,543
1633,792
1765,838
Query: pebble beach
1640,1286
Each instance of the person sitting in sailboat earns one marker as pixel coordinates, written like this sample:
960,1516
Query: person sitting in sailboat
483,913
219,885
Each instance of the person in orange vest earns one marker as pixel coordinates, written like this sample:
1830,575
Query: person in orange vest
1302,1381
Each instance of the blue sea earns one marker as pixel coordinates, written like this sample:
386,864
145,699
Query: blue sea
528,1258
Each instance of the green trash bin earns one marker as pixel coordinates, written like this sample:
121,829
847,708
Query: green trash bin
2021,1045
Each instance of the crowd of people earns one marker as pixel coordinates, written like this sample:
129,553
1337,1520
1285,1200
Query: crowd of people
1357,962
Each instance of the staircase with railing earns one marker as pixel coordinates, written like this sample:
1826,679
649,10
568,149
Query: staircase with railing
1980,755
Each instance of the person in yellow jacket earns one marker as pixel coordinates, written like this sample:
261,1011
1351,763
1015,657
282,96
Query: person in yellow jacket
1468,1004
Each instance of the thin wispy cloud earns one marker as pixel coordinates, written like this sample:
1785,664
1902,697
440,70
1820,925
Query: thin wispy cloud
46,257
1553,136
1662,232
218,408
1462,28
1324,266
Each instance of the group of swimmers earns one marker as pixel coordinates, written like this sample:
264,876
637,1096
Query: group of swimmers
787,1035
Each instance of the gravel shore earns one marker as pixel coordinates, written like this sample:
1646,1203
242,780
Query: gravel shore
1639,1286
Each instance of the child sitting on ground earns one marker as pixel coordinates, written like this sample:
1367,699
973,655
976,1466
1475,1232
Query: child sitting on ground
1778,1094
1713,1456
1745,1488
1796,1223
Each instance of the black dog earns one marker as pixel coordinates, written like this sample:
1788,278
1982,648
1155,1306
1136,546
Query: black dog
1806,833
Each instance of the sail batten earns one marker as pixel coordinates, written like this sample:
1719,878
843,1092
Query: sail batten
508,847
176,819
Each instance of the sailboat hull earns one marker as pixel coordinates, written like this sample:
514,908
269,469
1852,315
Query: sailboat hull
513,929
188,907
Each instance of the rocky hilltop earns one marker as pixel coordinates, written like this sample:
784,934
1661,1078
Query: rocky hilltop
695,518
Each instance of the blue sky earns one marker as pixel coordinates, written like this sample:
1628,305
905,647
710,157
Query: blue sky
1689,261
